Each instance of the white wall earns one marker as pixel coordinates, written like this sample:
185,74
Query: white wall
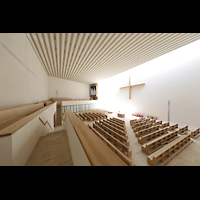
173,76
22,77
15,149
67,89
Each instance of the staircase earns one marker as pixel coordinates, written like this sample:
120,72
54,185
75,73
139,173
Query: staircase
54,132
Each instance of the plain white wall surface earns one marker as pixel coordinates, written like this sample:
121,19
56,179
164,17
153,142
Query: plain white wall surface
22,77
67,89
173,76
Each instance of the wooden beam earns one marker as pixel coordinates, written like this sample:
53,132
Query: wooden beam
124,87
137,84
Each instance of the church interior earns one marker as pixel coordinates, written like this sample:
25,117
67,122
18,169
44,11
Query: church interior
99,99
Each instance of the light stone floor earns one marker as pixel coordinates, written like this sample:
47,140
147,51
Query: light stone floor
51,150
54,150
190,156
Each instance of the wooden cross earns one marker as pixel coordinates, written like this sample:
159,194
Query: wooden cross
131,86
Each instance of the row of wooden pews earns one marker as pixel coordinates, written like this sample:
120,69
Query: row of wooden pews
146,131
121,138
164,142
169,151
119,126
107,139
114,131
159,142
91,116
114,128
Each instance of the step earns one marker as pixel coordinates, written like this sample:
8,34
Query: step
54,132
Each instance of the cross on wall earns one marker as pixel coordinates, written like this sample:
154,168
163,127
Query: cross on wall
130,86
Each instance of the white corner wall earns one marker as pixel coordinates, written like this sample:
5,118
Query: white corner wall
67,89
173,76
22,77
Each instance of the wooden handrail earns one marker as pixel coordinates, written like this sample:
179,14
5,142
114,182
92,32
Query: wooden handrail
98,153
17,125
46,123
12,113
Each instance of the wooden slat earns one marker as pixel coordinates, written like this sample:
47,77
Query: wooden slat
53,50
97,56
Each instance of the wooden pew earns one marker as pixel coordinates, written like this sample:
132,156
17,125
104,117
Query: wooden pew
139,128
115,141
151,117
195,133
157,123
79,116
104,115
118,120
138,124
171,128
132,122
151,121
184,130
114,128
92,116
153,135
169,151
84,118
118,136
115,122
159,142
115,149
164,125
98,117
146,131
87,117
115,125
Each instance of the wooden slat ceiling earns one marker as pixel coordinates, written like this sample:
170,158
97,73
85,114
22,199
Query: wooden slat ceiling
92,57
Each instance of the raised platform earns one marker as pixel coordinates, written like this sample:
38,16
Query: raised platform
122,115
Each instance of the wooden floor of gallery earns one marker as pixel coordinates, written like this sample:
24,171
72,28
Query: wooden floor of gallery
51,150
187,157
